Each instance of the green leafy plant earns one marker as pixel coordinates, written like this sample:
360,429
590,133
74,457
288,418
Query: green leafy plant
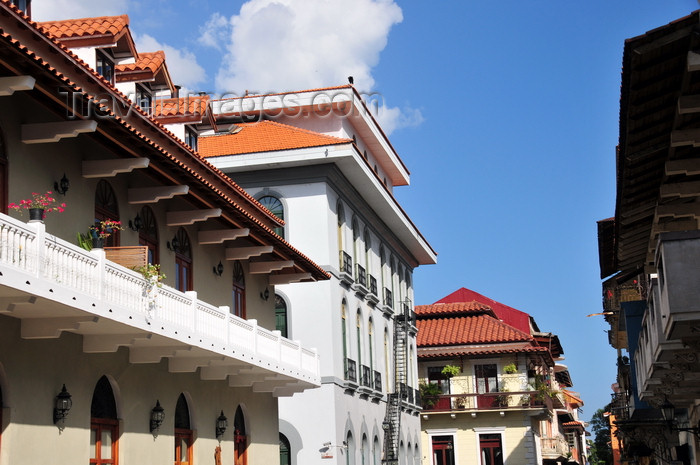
151,273
429,393
449,371
510,369
85,241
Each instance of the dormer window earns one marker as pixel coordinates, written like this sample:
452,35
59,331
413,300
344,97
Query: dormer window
105,66
191,137
143,98
23,5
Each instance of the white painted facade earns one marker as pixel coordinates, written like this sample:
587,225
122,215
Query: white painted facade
333,203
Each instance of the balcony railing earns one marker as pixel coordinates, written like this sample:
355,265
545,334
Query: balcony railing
486,401
419,400
388,299
377,381
554,447
345,262
366,376
410,391
351,370
89,282
360,275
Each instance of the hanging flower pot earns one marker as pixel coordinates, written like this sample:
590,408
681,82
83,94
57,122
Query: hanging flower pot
98,243
36,215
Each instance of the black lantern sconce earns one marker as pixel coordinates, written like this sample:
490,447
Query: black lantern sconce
157,417
136,224
219,269
61,407
264,295
62,186
668,411
221,425
173,245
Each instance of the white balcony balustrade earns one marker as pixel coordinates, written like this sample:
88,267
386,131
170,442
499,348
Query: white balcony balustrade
54,286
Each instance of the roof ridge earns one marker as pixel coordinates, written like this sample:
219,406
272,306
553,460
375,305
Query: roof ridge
125,17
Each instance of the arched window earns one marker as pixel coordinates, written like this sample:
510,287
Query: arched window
376,451
281,315
240,439
3,176
276,208
344,334
285,450
148,233
183,261
184,436
358,324
368,247
364,451
106,208
387,359
350,456
104,426
341,224
238,290
370,329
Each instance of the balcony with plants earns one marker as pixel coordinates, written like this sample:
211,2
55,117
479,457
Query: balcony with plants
54,286
514,391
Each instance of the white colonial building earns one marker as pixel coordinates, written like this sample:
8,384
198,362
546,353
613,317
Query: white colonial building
319,161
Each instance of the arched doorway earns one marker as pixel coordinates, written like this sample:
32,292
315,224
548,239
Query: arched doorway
104,425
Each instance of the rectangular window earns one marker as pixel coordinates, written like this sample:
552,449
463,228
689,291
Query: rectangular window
490,449
443,450
486,379
191,137
143,98
105,66
103,441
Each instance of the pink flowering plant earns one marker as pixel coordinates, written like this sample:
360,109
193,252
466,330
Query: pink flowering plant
45,202
105,228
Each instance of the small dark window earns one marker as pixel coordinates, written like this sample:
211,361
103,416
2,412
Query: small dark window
238,292
143,98
191,137
183,262
105,66
281,315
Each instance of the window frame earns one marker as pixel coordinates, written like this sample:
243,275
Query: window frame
238,297
104,59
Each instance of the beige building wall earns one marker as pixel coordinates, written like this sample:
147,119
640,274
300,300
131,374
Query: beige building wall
33,371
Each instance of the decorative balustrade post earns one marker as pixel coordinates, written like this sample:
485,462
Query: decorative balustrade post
102,274
300,355
39,247
255,335
193,299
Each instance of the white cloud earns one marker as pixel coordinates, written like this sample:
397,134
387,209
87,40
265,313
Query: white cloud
50,10
181,63
216,32
393,118
279,45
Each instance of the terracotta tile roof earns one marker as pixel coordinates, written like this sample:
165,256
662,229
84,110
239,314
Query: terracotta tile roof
83,27
477,329
440,309
513,317
491,349
572,398
264,136
181,107
574,424
148,61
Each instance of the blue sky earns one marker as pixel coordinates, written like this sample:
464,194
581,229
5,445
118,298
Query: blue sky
506,114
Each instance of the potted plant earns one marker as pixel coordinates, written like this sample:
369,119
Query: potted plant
38,205
101,230
461,402
151,273
510,369
429,393
450,371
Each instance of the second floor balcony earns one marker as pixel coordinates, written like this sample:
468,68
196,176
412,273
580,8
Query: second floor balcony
53,286
346,268
487,401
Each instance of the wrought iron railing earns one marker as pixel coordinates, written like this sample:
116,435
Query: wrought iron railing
360,275
350,370
388,299
366,376
485,401
345,262
377,381
373,285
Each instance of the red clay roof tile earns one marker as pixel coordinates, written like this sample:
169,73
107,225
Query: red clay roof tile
182,106
82,27
148,61
473,307
477,329
264,136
